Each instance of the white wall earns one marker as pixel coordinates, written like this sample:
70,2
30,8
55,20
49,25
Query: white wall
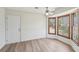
2,27
33,25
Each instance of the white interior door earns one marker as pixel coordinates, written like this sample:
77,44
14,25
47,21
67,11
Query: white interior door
12,29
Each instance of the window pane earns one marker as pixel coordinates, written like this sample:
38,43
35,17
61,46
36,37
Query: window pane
75,28
63,26
52,25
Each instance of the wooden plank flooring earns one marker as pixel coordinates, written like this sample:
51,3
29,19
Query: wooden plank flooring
38,45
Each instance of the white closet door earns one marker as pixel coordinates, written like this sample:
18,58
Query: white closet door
12,29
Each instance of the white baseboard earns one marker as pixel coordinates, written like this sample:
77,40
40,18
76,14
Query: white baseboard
27,39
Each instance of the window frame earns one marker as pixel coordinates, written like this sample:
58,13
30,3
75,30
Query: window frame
72,22
68,28
49,25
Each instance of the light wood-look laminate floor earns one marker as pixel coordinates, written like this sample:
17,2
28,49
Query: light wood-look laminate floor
38,45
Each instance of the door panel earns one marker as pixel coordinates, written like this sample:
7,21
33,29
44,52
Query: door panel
12,29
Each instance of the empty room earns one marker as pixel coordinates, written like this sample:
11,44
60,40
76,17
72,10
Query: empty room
39,29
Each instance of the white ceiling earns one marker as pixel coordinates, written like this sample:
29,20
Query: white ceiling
40,10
